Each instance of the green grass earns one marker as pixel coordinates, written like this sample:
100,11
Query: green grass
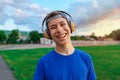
23,62
106,61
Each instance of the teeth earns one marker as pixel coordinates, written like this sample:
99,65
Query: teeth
60,36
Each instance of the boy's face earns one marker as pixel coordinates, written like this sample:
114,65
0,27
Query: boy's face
59,31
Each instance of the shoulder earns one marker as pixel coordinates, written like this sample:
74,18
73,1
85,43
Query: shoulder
83,54
46,57
86,57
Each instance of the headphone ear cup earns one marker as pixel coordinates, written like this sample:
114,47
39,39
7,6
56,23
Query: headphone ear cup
72,26
46,34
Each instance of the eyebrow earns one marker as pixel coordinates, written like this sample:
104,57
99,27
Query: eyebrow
59,23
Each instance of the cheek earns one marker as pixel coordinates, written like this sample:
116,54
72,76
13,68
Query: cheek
52,32
68,29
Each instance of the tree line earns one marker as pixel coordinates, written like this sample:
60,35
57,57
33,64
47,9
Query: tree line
14,37
34,37
115,35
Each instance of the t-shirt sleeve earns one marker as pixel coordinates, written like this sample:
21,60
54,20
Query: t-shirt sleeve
89,63
91,70
39,72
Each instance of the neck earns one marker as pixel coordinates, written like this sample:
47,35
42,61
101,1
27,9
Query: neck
65,49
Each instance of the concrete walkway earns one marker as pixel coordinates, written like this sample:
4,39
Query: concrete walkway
24,46
5,72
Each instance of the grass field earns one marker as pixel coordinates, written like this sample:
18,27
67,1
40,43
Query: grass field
106,61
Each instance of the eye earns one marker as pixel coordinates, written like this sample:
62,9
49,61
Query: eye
62,24
52,27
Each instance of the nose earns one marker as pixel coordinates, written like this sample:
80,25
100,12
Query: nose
59,29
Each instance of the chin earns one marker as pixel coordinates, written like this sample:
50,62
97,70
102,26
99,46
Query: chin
62,43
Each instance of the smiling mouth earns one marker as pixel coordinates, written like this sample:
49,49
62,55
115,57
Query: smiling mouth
61,36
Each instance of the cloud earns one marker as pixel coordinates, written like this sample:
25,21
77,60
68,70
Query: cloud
22,12
87,12
6,1
3,17
10,25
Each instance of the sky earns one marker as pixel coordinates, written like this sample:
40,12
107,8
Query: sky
90,16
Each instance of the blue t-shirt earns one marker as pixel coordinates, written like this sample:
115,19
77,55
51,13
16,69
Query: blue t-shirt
54,66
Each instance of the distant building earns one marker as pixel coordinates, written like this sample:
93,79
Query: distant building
23,36
46,41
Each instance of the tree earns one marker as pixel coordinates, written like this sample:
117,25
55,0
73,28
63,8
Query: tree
78,37
2,37
13,37
34,36
41,35
93,36
115,34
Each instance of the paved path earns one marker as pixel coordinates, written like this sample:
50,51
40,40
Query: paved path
75,43
24,46
5,72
